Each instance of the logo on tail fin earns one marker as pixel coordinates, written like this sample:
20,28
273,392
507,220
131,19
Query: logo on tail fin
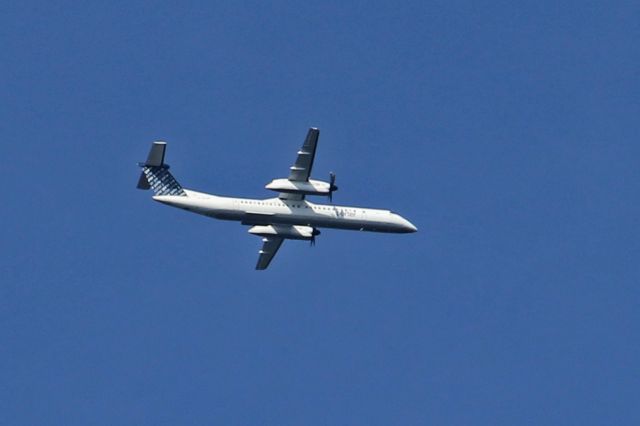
155,173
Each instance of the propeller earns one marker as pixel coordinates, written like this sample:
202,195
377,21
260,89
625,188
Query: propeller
332,185
313,236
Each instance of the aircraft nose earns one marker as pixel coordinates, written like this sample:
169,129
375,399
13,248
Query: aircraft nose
410,227
406,225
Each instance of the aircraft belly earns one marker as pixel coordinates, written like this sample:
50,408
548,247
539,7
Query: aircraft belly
315,220
226,214
322,221
229,216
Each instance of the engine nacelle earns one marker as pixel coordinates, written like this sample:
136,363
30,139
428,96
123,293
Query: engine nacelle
312,187
291,232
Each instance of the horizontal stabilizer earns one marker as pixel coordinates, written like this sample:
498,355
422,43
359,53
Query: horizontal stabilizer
156,155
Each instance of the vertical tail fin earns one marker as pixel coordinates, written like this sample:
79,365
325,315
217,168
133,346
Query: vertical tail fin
155,173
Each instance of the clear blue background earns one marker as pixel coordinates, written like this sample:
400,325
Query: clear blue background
508,133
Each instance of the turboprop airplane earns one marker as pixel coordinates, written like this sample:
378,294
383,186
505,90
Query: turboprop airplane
289,216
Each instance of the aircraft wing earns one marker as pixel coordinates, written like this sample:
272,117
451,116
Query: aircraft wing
270,246
301,169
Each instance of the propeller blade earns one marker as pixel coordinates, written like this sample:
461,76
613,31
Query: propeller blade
313,236
332,185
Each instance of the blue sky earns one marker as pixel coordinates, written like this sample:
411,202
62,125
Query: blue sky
508,133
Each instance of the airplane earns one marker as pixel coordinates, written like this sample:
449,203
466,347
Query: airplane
289,216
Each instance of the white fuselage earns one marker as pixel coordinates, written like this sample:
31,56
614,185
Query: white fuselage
276,211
